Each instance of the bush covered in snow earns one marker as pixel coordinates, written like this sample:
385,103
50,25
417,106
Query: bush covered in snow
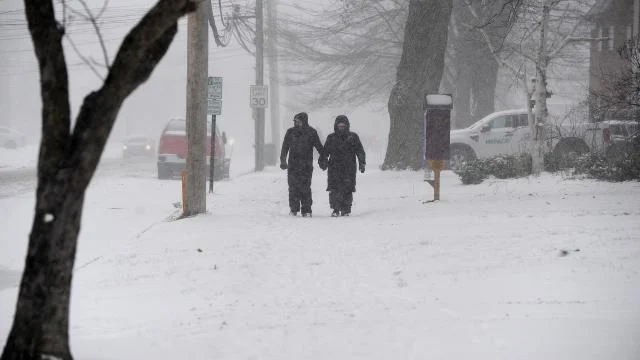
621,168
501,166
559,162
473,172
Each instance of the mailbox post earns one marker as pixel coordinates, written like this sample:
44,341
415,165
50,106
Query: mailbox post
437,126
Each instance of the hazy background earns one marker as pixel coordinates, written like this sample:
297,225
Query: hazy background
161,98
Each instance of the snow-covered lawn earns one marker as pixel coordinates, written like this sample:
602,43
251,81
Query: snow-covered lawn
534,268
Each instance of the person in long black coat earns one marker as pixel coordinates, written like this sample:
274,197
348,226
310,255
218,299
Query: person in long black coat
341,150
298,144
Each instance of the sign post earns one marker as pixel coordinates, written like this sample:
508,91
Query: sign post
437,127
214,107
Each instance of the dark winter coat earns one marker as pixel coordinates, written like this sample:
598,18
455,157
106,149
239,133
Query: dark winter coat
297,148
341,150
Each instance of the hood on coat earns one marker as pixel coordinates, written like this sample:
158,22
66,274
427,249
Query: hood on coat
303,117
341,119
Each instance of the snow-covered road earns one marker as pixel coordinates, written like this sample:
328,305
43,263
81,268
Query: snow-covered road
536,268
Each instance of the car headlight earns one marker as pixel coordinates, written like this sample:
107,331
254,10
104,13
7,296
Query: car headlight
124,147
148,147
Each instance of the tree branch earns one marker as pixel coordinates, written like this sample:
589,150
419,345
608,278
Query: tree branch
94,22
140,52
83,58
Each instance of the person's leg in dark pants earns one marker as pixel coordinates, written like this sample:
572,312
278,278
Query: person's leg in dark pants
335,202
305,195
294,192
347,201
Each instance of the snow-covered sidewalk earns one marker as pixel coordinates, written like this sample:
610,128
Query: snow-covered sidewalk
535,268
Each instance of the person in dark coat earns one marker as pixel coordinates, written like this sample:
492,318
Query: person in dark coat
298,143
341,150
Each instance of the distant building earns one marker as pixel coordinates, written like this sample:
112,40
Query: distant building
615,22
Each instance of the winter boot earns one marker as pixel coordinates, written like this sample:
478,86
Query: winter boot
306,214
293,213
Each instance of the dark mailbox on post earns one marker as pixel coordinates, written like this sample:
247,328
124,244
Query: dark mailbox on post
437,124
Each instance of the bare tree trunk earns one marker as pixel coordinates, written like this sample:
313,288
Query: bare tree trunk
66,164
419,72
485,78
463,86
538,127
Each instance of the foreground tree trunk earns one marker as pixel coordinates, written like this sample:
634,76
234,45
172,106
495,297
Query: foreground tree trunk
419,72
66,164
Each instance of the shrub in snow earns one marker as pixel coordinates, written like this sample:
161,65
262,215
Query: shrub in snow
509,166
501,166
622,168
554,162
472,172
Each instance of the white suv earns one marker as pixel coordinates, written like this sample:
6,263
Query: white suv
502,132
507,132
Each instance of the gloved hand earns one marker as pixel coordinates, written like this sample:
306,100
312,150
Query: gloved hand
283,166
362,168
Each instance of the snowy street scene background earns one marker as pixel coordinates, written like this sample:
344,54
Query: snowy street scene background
530,252
529,268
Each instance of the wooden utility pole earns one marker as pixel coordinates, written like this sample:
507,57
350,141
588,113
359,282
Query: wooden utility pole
259,112
274,85
197,68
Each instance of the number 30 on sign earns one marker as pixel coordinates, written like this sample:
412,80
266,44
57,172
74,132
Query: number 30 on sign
259,96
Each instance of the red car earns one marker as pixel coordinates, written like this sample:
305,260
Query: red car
172,151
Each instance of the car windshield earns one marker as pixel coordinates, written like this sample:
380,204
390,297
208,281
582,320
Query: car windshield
139,139
181,125
623,129
177,125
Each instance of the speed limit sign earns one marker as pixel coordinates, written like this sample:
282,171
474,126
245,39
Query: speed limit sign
258,96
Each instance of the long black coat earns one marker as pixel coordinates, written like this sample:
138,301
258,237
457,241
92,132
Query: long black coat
298,144
341,152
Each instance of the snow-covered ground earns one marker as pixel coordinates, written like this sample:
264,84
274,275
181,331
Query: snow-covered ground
534,268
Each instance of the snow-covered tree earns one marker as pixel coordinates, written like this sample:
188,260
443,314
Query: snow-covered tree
546,34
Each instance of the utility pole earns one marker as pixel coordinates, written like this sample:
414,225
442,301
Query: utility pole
274,81
197,69
259,112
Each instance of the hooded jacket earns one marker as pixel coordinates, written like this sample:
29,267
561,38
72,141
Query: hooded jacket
343,152
298,145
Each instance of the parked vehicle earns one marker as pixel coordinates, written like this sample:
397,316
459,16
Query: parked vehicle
507,132
619,130
11,138
622,147
172,151
138,146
